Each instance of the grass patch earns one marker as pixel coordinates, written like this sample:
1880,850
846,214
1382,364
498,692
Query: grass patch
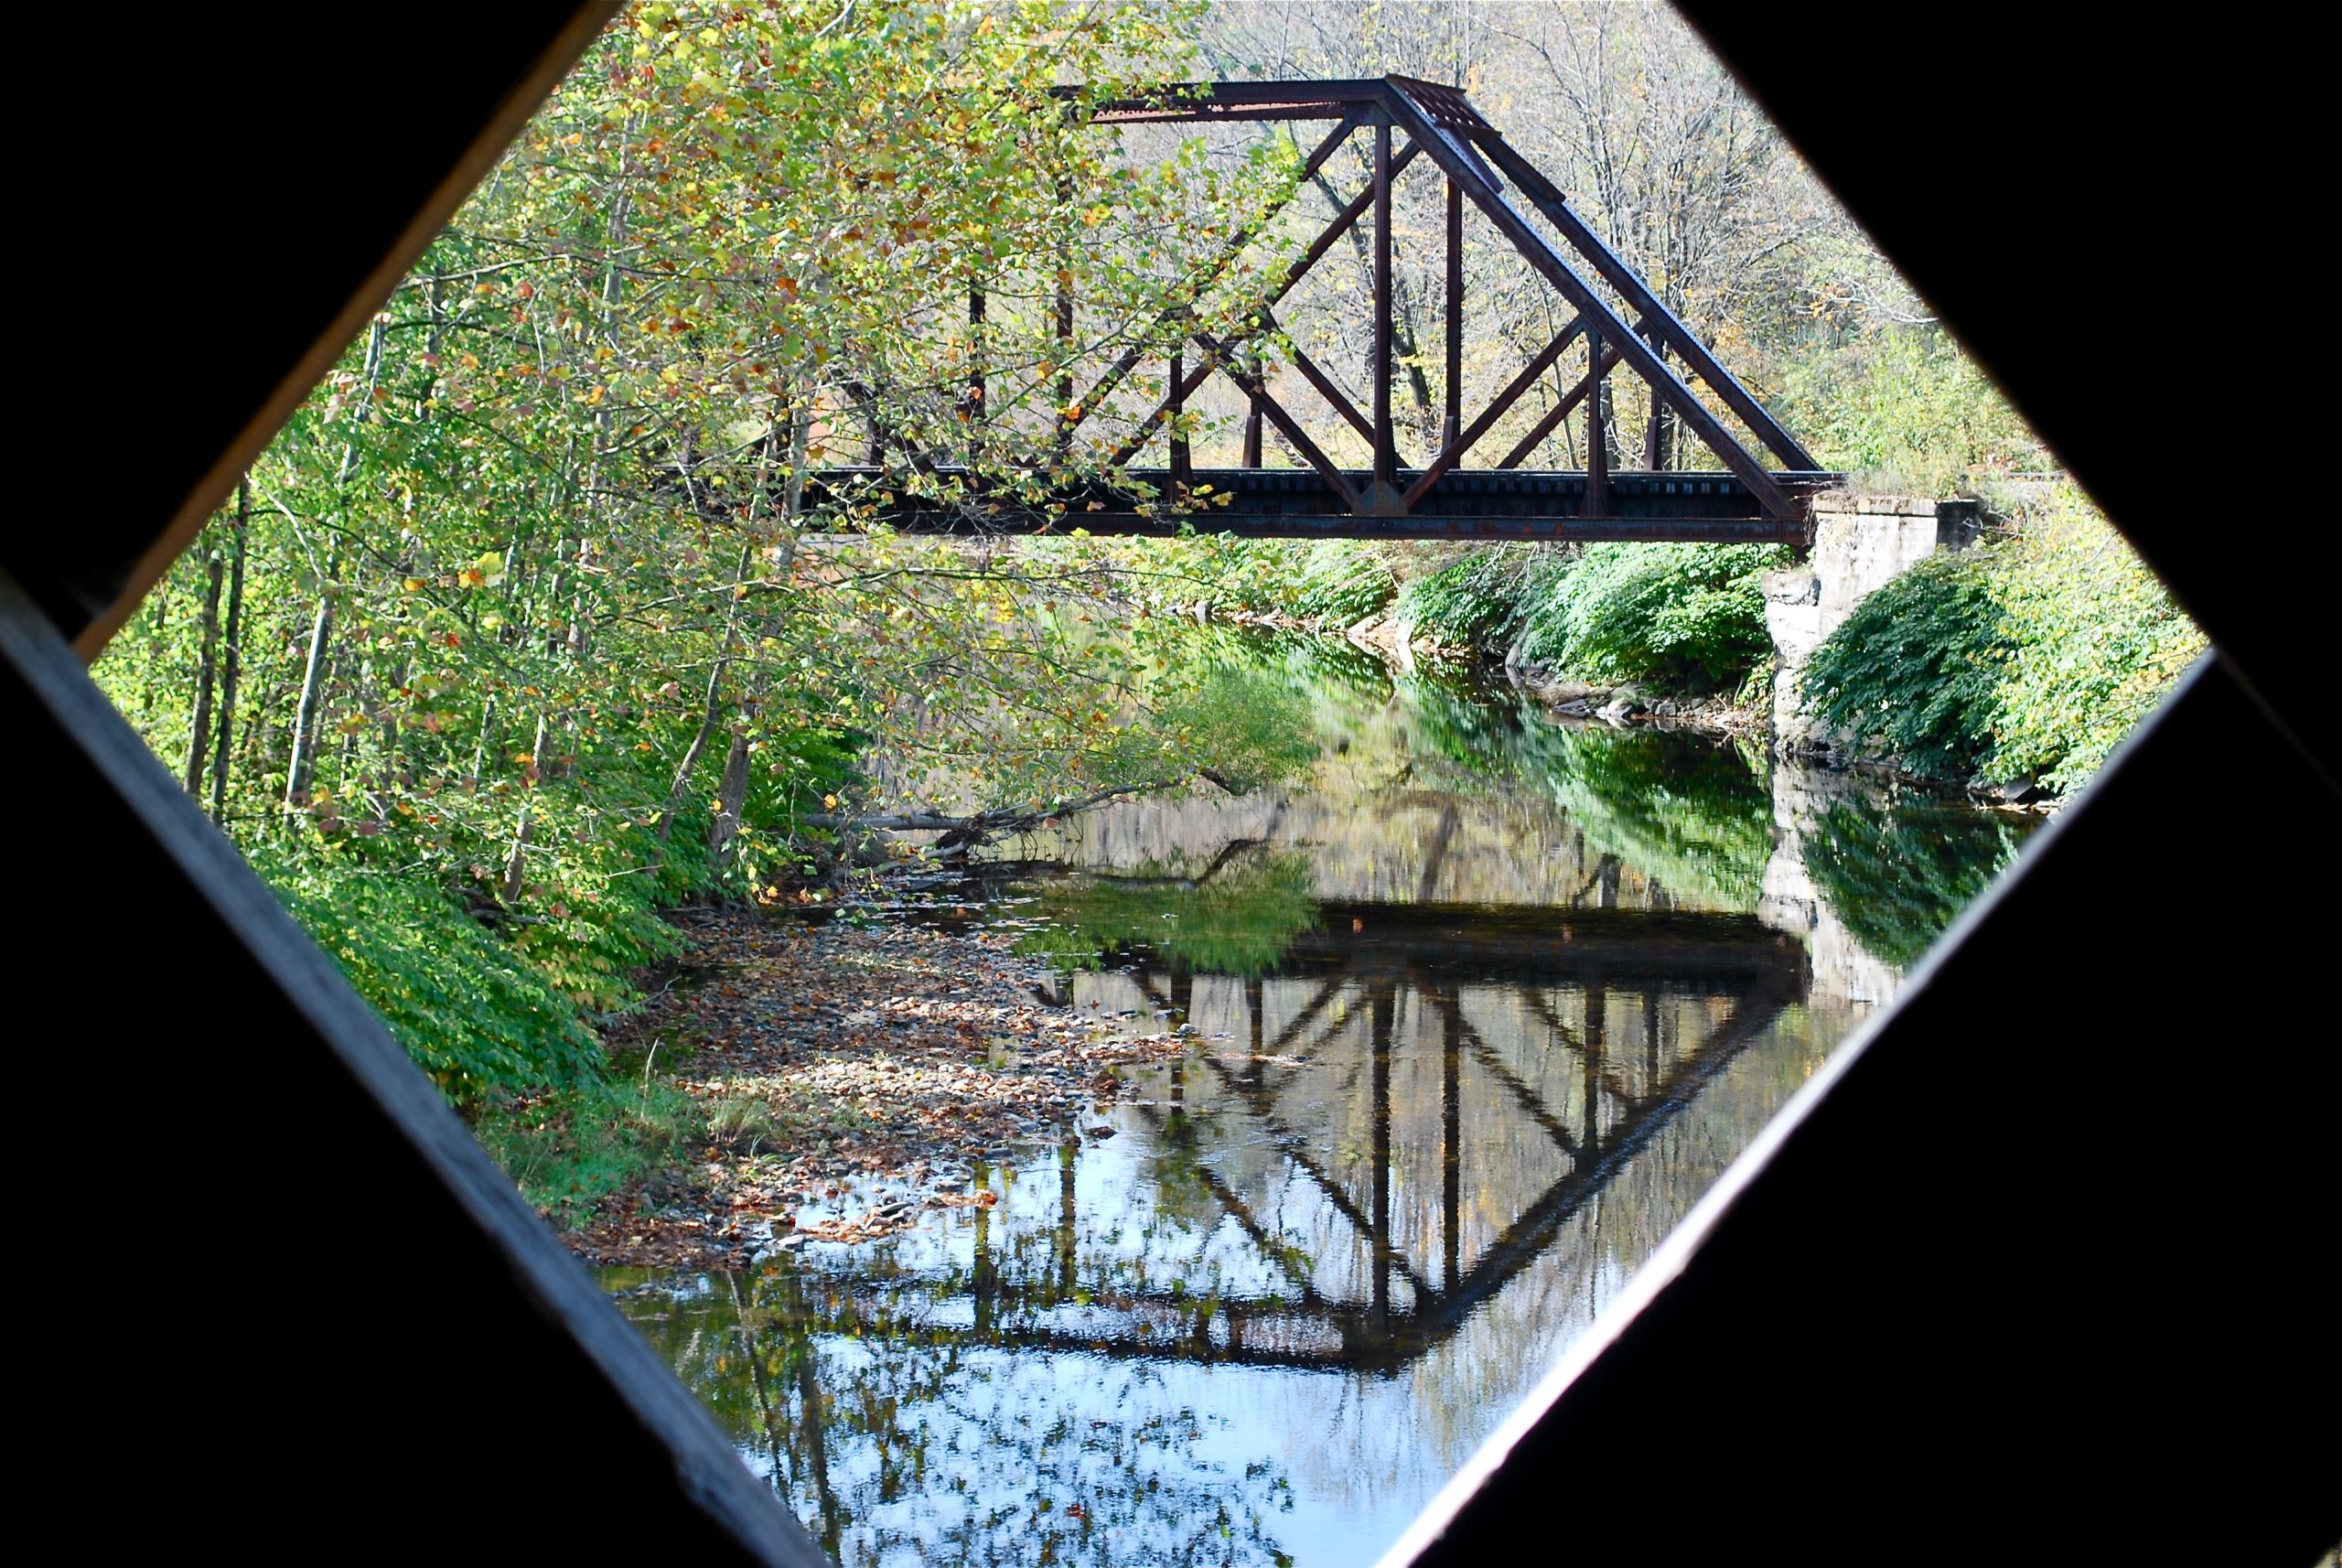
570,1150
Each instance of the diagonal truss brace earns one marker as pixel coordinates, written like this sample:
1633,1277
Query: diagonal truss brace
1463,165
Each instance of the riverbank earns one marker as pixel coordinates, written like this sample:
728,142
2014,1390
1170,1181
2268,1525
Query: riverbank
838,1081
1400,644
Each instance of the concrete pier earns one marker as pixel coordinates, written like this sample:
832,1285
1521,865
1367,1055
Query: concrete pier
1859,544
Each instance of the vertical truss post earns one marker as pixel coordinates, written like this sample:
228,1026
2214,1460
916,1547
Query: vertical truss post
1598,440
1454,423
1182,468
1593,1051
1386,450
1655,433
1451,1142
1384,1007
1252,412
975,371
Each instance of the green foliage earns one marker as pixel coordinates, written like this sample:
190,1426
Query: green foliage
2033,656
1342,582
1900,406
1251,732
472,1011
2098,642
537,524
1899,870
1695,815
1479,601
1685,617
1225,570
1915,667
570,1149
1237,916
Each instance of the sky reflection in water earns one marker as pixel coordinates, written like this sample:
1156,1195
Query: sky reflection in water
1478,1016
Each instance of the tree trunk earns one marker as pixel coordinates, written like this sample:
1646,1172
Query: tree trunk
479,744
710,710
305,717
731,796
712,707
515,865
313,676
232,654
207,669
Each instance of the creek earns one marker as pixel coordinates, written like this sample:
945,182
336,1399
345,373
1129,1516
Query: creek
1474,1019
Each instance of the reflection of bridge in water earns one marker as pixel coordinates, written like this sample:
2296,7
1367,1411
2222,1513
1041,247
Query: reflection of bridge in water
1587,1033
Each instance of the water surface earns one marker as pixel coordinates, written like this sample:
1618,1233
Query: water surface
1473,1019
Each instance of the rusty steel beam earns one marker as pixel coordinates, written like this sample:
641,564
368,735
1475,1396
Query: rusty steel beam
1386,451
1548,200
1436,526
1217,268
976,415
1452,424
1326,388
1262,322
1194,102
1655,431
1466,166
1458,446
1492,500
1528,444
1286,425
1597,439
1180,465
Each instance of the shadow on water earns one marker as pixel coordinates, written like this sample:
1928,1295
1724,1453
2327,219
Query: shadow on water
1474,1019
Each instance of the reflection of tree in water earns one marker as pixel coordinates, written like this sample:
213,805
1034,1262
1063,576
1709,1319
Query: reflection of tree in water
1455,721
895,1442
1692,812
1898,868
1236,914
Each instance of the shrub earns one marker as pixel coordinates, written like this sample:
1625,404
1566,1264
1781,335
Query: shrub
1915,667
570,1149
2098,642
1685,617
1478,601
1902,406
1343,582
472,1011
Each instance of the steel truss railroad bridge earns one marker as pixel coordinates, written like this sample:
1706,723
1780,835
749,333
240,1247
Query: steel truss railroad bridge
1440,956
1439,497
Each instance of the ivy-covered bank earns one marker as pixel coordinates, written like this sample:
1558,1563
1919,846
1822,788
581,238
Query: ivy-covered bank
1683,620
2017,665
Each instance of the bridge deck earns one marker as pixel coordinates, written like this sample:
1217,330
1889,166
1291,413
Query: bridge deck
1297,503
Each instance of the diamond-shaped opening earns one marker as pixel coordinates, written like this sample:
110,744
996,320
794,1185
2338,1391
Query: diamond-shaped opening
1472,1016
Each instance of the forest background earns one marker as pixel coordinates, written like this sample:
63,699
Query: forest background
524,627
